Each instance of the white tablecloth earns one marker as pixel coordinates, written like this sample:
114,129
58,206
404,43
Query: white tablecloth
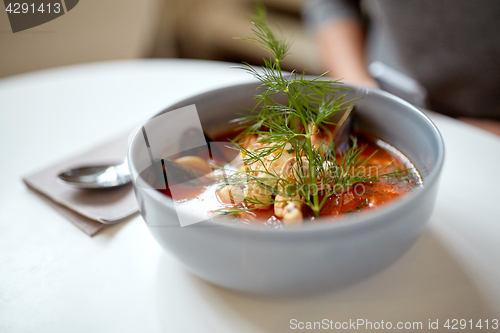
55,278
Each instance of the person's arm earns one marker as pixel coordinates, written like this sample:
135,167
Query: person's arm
337,26
341,46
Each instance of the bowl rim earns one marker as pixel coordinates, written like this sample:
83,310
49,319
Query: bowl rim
346,223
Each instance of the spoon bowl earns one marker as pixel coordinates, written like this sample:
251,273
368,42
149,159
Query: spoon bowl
95,177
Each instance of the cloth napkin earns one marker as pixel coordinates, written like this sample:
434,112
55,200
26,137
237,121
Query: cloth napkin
89,210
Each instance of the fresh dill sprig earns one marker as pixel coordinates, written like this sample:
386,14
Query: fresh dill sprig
316,173
264,37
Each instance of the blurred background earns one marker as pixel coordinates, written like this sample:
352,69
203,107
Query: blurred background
448,75
97,30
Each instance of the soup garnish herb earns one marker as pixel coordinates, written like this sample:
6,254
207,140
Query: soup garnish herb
289,157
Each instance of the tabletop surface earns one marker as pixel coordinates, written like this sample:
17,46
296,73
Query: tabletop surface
55,278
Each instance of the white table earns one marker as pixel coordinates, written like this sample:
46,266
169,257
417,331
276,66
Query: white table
55,278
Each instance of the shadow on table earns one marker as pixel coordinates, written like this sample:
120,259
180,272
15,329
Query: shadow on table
427,283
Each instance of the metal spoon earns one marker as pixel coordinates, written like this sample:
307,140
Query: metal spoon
343,130
99,176
109,176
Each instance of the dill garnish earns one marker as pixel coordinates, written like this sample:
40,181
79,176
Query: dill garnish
314,173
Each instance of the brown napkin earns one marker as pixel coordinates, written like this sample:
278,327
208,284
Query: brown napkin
90,210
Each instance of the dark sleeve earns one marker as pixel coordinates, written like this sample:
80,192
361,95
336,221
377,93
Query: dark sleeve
318,12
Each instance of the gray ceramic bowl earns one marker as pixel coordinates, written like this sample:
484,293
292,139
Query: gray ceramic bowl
313,257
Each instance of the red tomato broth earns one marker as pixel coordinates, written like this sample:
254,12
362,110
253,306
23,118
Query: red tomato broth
358,198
